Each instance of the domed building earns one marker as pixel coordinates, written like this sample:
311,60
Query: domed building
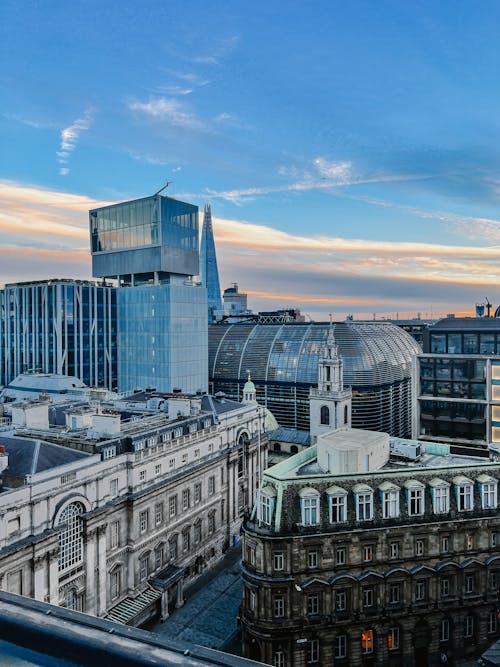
283,358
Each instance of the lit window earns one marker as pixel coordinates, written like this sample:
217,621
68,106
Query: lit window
278,560
364,506
313,651
340,647
70,537
367,641
393,639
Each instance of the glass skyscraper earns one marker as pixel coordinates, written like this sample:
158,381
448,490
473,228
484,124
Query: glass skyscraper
59,326
150,247
208,267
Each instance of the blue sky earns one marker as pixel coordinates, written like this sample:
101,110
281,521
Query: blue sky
350,150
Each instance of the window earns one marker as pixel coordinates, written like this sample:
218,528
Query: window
492,622
211,522
494,581
420,591
368,596
394,550
340,601
197,532
158,514
279,606
158,556
185,499
445,587
393,639
142,476
394,593
278,560
109,453
367,641
70,537
313,604
197,493
251,555
197,453
312,559
172,506
340,555
469,542
178,432
265,508
469,626
313,650
115,583
441,499
309,506
494,542
114,535
338,509
171,463
415,501
211,485
364,506
143,521
489,495
158,469
367,553
279,659
139,445
113,488
193,428
252,600
340,647
465,497
419,547
186,539
444,635
470,583
172,548
165,437
325,415
184,458
143,567
445,544
390,504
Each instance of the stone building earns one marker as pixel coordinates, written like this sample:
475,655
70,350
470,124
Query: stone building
111,509
351,558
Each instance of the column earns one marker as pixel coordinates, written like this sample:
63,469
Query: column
40,576
90,568
180,594
54,576
101,571
164,605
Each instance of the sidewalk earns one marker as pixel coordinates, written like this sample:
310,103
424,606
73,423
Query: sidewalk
208,616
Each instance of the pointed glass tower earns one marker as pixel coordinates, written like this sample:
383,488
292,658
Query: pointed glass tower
208,267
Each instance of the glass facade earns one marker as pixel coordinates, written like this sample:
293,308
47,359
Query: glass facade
144,222
464,343
63,327
162,338
209,271
283,359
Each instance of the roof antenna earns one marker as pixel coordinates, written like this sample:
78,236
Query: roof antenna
163,188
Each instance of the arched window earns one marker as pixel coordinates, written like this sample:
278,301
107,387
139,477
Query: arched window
70,537
325,415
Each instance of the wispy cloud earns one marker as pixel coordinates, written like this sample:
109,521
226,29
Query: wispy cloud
220,51
173,90
69,138
147,158
169,111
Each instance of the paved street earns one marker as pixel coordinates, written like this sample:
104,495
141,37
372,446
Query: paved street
208,616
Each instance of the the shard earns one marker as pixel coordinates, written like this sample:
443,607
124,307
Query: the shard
208,267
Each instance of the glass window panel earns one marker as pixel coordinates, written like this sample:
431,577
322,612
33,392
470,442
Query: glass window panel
455,343
471,343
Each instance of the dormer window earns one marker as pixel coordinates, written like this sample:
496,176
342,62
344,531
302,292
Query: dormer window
488,487
364,502
390,500
415,497
265,505
309,507
440,496
464,489
337,504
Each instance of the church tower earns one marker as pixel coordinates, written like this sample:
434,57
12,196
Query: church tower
329,403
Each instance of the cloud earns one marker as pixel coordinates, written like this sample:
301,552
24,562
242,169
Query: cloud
336,172
170,111
173,90
147,158
70,136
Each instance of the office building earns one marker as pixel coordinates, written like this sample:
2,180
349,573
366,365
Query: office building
111,510
377,366
353,558
209,272
149,247
235,302
458,383
67,327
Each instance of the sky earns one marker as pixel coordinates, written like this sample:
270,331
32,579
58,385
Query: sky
350,150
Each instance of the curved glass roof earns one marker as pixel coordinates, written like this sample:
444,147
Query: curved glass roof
373,353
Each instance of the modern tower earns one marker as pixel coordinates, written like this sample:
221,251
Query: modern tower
150,247
208,267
